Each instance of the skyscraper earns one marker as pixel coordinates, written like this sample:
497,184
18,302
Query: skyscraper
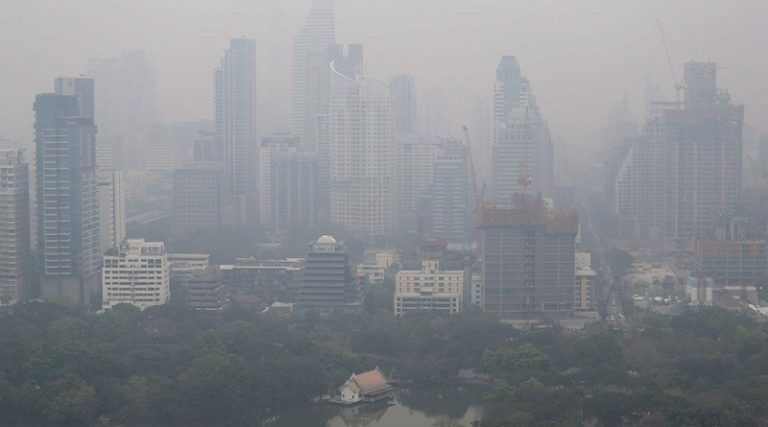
686,168
235,84
450,198
15,247
404,91
522,146
287,184
415,157
361,139
309,78
68,242
125,102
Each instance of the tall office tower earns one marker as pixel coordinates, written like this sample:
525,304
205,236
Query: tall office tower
450,198
287,184
125,103
136,272
207,148
403,89
762,153
329,282
432,116
68,241
616,137
309,78
522,146
16,269
528,254
199,190
235,84
686,168
362,150
349,63
111,208
415,157
482,139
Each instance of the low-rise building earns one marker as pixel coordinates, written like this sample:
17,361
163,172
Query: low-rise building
271,280
184,266
205,291
365,387
428,289
374,274
136,272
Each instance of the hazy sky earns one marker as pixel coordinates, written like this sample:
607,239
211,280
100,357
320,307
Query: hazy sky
580,55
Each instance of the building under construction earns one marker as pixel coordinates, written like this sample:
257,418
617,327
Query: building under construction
527,251
685,170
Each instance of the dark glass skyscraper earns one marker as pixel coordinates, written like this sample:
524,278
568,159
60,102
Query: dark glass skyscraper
68,243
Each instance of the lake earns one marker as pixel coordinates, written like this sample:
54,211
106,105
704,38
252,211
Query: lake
415,407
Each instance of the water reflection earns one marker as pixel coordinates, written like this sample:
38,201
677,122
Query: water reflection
419,407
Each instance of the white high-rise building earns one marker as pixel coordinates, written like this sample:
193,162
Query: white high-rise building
235,107
136,272
361,128
111,208
16,269
309,78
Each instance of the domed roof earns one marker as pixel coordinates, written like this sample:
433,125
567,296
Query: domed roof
326,240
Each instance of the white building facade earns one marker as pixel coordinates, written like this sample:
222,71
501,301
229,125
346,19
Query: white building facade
136,272
428,289
362,150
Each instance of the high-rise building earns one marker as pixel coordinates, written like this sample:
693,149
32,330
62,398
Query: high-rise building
68,241
685,171
415,157
287,184
349,63
309,78
136,272
522,146
403,89
16,270
199,195
450,198
235,107
361,139
125,106
429,289
762,155
111,208
329,282
482,138
528,253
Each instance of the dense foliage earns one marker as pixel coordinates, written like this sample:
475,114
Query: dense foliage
171,366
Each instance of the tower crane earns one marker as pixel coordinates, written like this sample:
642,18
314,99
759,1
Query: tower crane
678,83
